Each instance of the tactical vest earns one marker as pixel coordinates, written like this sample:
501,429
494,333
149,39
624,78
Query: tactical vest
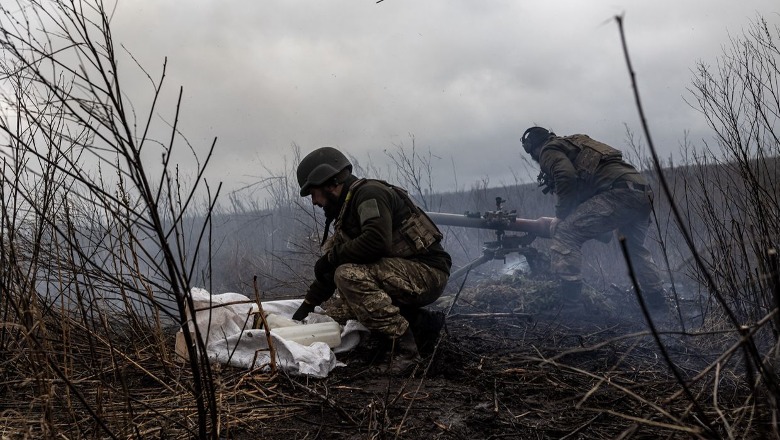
592,153
413,236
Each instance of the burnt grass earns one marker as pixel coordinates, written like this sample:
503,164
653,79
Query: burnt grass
512,361
505,366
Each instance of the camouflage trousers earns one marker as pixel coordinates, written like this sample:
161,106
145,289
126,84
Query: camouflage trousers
374,292
625,210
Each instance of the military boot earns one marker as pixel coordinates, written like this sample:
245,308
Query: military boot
426,326
655,299
660,306
404,355
571,291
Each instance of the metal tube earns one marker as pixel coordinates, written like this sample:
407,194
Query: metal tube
539,227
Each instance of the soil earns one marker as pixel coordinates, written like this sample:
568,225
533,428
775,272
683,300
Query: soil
513,361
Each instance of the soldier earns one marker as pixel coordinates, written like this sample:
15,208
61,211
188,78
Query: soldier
597,192
384,255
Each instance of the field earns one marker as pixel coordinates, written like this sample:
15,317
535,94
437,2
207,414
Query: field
554,373
510,363
97,262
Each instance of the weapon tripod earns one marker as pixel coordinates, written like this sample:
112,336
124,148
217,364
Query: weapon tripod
499,220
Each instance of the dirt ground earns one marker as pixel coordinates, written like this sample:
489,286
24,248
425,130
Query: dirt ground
511,362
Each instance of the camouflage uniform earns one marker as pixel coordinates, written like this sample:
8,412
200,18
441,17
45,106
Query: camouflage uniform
373,279
612,195
375,291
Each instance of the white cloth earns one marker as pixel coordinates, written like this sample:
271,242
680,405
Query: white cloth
225,321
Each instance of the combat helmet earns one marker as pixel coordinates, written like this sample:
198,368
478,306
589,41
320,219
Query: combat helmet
534,138
319,166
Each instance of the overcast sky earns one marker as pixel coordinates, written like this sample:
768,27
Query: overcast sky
464,77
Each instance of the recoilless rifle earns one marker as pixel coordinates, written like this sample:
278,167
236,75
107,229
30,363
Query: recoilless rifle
501,221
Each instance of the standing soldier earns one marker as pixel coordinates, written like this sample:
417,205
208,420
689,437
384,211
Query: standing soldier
385,253
597,192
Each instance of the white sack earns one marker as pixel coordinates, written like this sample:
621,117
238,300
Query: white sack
232,341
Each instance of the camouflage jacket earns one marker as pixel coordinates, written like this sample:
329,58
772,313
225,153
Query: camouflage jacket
364,232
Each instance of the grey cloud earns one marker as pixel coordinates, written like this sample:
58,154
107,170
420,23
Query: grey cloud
362,76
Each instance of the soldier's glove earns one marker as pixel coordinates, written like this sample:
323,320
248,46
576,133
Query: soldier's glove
324,270
303,311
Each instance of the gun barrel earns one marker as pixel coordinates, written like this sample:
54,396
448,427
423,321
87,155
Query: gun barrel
539,227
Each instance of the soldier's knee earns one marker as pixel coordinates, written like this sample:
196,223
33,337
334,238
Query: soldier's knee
348,273
562,250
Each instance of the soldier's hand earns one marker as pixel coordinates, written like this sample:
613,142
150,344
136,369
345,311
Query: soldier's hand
303,311
324,270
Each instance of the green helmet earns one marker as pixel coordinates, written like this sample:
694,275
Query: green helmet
319,166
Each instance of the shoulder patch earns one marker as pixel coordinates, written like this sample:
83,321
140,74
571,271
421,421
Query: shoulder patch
368,210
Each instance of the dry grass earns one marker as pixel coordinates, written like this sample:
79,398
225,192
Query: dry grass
61,380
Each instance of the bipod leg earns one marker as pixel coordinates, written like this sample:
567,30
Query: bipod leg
486,256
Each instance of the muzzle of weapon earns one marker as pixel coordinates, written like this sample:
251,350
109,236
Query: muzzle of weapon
540,227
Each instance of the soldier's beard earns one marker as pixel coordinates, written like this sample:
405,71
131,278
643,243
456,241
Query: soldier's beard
332,208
